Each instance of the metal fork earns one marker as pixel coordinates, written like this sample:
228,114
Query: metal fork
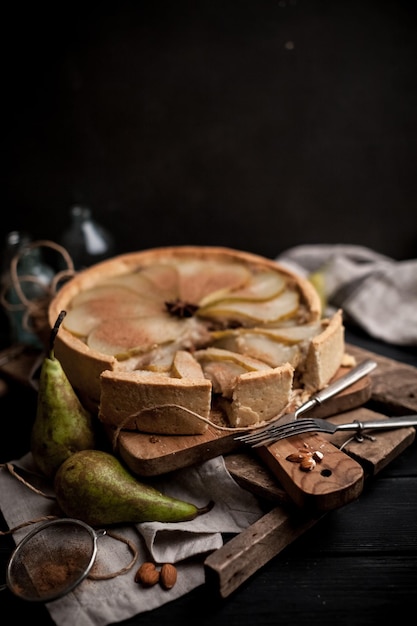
352,376
310,424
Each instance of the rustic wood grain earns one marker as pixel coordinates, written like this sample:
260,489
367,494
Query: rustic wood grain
336,480
394,384
231,565
377,448
152,455
252,475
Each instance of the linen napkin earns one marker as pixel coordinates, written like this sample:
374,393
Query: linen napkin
375,292
101,602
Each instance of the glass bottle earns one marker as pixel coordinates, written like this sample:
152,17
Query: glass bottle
34,277
86,241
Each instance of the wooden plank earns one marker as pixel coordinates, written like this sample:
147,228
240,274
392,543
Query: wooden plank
252,475
228,567
377,449
394,384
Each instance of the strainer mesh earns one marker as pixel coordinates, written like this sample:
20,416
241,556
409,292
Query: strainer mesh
51,561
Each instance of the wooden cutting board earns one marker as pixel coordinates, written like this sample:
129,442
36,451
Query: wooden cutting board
393,393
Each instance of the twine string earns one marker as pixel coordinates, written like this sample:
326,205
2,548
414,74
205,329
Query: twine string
136,416
35,310
123,570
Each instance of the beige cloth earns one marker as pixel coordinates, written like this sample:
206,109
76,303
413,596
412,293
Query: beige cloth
97,603
375,292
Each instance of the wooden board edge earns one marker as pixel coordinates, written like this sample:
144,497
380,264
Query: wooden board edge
228,567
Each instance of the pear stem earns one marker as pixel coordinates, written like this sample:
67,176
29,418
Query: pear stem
207,508
55,329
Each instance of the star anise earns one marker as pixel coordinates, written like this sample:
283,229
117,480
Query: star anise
181,309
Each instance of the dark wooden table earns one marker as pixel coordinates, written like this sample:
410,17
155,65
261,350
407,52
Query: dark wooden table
357,565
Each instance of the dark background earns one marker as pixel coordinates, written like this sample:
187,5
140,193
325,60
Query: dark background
258,124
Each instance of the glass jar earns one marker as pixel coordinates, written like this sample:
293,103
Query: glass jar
86,241
25,282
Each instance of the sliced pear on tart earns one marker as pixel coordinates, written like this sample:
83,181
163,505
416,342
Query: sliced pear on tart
123,338
106,303
102,293
158,359
274,346
139,283
263,285
248,363
199,278
260,346
244,312
291,334
288,334
164,278
158,281
185,365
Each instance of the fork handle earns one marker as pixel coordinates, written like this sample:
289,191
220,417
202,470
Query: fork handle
352,376
385,424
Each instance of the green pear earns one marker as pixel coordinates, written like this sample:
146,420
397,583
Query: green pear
94,486
62,425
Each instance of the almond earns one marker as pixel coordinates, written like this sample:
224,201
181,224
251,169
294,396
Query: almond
307,464
318,456
147,575
296,457
168,576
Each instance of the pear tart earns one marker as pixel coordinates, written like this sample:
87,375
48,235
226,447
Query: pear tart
167,340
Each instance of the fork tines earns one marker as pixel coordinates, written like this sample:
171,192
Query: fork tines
255,436
287,430
275,433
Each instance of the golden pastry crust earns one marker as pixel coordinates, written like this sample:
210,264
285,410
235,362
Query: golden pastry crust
251,399
154,402
325,354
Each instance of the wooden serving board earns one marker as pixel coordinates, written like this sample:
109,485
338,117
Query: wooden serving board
393,393
151,455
